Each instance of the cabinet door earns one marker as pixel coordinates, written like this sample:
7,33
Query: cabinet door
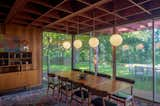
33,78
21,79
8,81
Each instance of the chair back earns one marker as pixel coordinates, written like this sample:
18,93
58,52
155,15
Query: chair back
89,72
52,78
76,69
104,75
51,75
125,80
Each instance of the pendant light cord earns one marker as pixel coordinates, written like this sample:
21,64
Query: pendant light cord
94,24
78,26
114,26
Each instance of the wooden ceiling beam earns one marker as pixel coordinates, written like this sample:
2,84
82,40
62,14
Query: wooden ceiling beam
62,28
48,12
78,23
45,4
33,11
52,16
122,9
143,12
19,21
104,10
132,5
78,12
94,19
26,17
137,5
64,10
112,13
17,6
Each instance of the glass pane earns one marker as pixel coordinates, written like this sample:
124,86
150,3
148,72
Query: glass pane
157,59
55,57
105,55
82,55
134,57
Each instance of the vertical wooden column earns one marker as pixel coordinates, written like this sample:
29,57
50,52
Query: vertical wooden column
73,53
114,62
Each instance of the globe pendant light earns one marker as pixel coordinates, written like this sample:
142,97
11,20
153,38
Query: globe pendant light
93,41
66,44
77,43
116,40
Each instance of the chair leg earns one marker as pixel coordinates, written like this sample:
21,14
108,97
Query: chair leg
47,89
89,99
132,101
103,101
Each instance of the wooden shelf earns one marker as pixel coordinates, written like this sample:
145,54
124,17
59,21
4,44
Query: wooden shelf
8,60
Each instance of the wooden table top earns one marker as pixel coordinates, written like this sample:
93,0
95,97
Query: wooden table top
99,83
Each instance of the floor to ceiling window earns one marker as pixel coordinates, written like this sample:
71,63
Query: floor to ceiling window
105,55
134,58
55,57
157,59
82,55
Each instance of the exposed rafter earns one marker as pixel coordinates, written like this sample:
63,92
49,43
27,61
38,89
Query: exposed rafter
102,9
17,6
47,12
78,12
140,7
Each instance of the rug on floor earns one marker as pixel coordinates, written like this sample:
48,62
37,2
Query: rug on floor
38,97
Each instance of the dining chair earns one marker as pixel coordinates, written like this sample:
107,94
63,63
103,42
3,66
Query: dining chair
52,82
104,75
81,95
102,98
123,97
65,88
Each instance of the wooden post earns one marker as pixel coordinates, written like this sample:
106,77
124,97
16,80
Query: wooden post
114,62
73,52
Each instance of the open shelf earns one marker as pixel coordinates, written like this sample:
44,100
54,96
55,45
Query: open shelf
15,61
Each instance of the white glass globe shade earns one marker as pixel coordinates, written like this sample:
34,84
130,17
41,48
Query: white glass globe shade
66,45
116,40
77,44
93,42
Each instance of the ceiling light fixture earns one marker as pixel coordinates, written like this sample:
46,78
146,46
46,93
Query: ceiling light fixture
93,41
66,44
77,43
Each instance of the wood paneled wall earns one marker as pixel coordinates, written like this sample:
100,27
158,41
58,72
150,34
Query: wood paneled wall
34,38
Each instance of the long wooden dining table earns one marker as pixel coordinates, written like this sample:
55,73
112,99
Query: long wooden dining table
99,83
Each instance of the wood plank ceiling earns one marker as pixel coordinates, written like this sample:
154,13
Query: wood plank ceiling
63,15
